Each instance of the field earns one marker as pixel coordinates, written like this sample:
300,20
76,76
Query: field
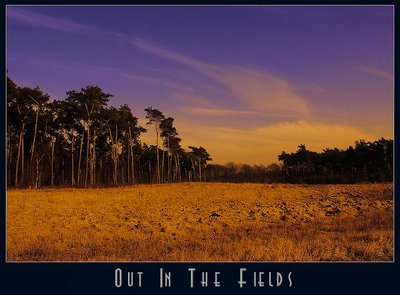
202,222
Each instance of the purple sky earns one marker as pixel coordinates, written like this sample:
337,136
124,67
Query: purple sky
244,82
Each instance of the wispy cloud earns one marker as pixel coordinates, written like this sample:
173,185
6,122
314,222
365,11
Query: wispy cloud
159,51
216,112
158,81
60,25
66,65
377,73
47,22
191,99
256,89
261,90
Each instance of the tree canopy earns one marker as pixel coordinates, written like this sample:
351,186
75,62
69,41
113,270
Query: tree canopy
81,141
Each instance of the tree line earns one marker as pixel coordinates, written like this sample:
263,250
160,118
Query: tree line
365,162
81,141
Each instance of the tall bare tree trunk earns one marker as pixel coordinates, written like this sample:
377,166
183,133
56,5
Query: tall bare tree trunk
52,160
87,152
93,170
72,161
18,155
34,141
90,164
128,164
179,169
174,169
199,170
150,178
168,162
169,168
80,158
194,171
23,160
140,169
158,160
37,173
162,167
34,135
132,156
37,178
116,156
175,176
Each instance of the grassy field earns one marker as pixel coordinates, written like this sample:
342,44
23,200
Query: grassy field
202,222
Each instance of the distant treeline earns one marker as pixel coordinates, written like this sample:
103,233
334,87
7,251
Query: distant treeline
82,142
365,162
232,172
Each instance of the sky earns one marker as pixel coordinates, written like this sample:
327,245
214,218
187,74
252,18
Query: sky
245,82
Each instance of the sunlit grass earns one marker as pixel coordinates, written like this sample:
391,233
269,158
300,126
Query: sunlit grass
202,222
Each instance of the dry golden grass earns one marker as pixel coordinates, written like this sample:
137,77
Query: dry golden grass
202,222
